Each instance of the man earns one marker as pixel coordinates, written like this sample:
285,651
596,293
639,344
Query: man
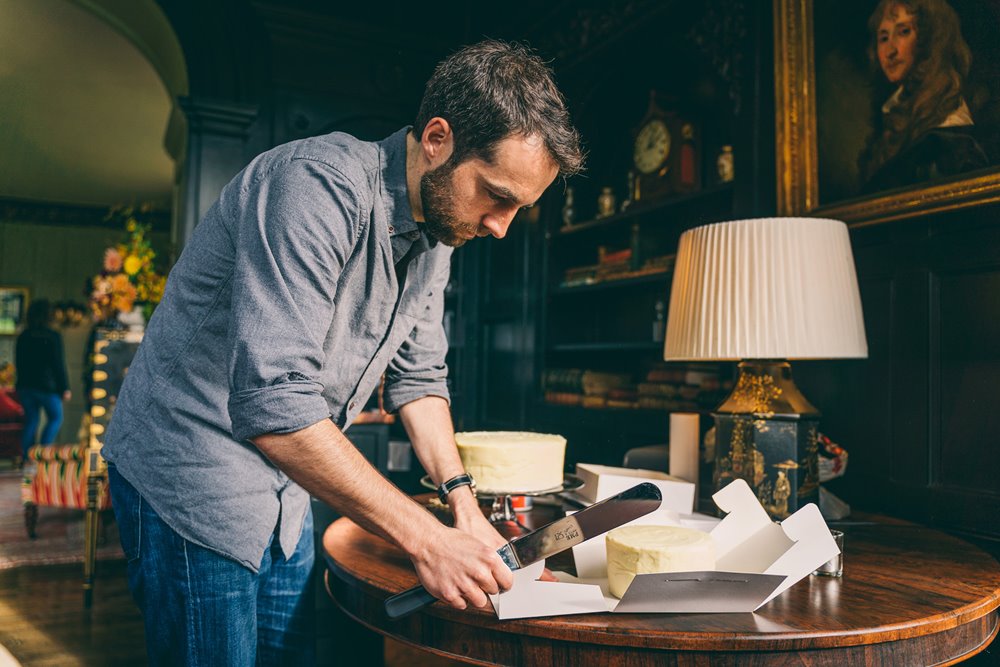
321,267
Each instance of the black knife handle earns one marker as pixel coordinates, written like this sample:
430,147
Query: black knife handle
407,602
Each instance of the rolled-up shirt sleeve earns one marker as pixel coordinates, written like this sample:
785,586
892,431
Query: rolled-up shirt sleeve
295,231
418,368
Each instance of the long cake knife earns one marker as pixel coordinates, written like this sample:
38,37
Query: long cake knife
551,539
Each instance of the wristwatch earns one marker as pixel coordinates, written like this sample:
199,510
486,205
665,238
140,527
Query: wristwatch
458,480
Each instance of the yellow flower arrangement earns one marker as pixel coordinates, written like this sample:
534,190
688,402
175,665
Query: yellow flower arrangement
128,277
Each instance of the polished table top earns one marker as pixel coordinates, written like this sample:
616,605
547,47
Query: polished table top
909,595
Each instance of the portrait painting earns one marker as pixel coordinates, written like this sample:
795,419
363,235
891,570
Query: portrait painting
904,99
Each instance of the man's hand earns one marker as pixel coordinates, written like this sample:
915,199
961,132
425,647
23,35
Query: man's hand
460,569
471,520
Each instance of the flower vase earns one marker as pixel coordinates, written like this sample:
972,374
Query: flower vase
134,319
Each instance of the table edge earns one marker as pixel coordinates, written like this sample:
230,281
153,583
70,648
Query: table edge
554,628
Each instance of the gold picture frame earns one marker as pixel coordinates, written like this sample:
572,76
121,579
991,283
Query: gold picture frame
797,152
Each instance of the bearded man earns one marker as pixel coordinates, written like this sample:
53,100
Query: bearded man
321,268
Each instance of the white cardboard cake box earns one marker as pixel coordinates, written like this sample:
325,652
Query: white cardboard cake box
756,560
600,482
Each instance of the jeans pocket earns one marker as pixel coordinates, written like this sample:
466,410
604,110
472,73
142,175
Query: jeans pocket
127,505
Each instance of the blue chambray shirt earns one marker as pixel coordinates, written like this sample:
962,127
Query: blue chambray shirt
283,310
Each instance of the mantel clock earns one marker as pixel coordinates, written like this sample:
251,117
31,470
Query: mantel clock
665,154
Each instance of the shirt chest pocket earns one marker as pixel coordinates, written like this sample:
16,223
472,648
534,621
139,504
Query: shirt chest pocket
422,298
420,309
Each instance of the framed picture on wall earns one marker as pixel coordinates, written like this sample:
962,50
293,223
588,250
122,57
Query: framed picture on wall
13,308
887,109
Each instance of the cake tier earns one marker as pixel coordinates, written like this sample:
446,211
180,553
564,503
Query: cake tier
513,461
636,550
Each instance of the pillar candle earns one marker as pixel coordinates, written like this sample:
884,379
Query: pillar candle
684,446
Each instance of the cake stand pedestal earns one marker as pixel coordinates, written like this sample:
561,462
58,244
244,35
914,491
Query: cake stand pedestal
502,506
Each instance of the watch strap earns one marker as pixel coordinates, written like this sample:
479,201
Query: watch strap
465,479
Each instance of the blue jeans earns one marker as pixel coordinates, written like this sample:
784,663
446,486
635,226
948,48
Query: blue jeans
201,608
34,402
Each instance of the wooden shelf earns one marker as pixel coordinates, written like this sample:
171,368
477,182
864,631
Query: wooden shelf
638,412
638,210
658,277
606,346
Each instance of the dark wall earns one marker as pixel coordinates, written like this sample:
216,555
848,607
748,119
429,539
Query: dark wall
918,416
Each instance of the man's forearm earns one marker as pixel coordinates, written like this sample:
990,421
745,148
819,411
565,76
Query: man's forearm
428,423
454,566
325,463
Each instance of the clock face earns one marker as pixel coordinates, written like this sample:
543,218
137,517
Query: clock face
652,146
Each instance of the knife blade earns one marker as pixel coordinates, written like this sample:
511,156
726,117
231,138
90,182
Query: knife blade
551,539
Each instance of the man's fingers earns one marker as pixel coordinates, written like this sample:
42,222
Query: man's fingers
463,582
502,574
455,599
477,598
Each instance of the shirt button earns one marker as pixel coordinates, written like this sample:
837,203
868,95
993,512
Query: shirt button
413,236
392,230
351,405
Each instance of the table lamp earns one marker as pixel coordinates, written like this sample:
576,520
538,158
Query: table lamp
763,292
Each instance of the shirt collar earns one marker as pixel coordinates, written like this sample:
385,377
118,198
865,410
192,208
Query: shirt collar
392,156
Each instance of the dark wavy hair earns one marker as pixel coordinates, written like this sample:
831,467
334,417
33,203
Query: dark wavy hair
39,314
492,90
931,90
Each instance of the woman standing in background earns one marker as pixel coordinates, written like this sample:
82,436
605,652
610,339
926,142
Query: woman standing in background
41,375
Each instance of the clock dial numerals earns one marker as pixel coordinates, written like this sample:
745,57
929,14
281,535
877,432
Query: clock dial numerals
652,146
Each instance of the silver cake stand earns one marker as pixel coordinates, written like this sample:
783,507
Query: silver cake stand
502,504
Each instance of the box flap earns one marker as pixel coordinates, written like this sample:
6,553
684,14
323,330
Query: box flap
813,546
529,598
745,517
601,482
697,592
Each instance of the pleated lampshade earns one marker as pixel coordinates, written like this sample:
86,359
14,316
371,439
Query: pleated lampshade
768,288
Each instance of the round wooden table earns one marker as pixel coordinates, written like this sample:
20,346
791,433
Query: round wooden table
909,596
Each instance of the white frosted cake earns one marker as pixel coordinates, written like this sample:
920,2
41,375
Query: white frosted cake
513,461
645,549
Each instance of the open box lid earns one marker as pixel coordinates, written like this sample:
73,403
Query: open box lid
601,482
756,561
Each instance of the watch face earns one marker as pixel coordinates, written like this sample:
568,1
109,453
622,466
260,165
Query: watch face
652,146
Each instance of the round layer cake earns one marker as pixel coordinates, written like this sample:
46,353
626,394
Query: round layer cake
513,461
642,549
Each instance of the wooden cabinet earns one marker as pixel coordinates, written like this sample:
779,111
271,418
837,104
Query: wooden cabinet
602,381
604,274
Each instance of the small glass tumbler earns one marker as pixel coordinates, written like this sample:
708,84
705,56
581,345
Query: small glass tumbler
835,566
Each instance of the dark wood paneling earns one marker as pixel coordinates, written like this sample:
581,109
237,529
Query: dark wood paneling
969,372
908,462
918,416
858,418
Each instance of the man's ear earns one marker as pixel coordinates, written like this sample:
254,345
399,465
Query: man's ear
437,141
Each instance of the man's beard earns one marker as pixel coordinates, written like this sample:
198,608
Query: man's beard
438,200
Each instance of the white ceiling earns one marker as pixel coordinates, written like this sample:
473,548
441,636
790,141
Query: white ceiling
82,112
